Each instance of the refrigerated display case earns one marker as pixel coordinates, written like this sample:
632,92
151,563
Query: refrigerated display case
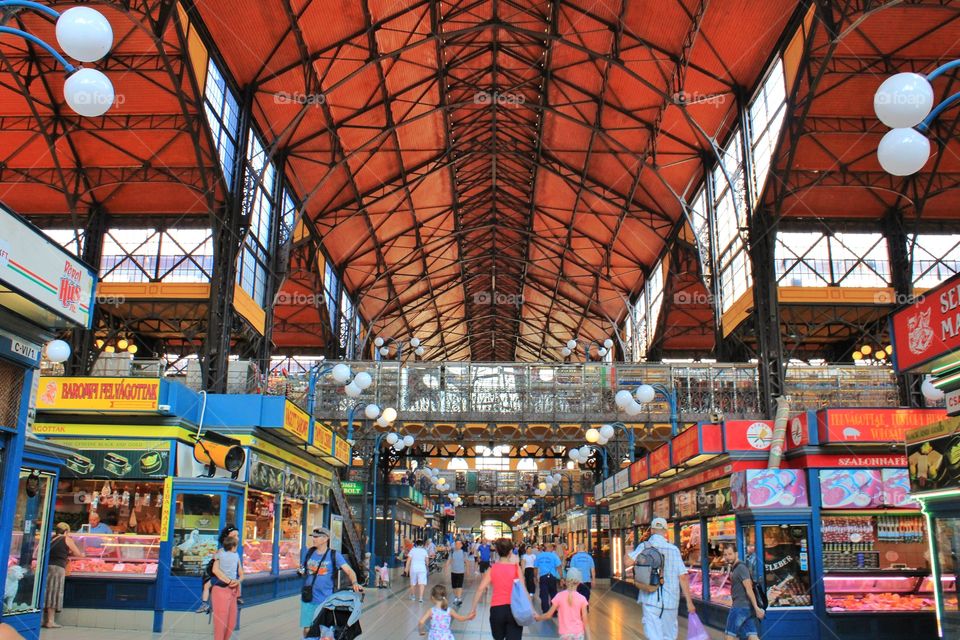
690,549
258,533
877,593
721,531
291,531
116,555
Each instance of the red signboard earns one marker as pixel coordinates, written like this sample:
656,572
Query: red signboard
928,329
748,435
685,446
589,500
659,460
798,431
638,471
711,438
828,461
873,425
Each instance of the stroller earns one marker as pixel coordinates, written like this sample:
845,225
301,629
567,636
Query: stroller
341,612
437,562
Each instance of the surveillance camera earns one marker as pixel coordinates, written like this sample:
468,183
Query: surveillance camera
350,442
716,416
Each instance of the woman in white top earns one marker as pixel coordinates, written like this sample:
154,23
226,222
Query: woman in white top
528,564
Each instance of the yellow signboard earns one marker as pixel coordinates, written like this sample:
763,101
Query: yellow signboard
296,421
322,437
165,513
343,451
98,394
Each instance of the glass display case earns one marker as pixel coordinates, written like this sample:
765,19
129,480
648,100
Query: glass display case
690,549
31,533
857,593
947,542
786,565
196,529
124,506
721,532
258,531
291,530
115,554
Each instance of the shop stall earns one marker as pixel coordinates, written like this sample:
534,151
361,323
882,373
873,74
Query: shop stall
147,513
45,291
933,458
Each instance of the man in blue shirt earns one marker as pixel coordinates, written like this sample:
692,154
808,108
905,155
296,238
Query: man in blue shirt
319,569
583,562
484,552
96,526
548,567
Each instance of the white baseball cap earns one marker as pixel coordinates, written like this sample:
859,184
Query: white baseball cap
659,523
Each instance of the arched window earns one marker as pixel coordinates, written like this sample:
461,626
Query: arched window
527,464
457,464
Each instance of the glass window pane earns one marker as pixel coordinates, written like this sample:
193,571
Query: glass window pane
948,550
31,531
786,565
291,528
690,549
196,527
258,532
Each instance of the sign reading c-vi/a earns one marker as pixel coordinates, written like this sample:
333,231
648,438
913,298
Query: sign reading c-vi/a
98,394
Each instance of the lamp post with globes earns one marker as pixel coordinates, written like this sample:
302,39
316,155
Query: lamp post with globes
398,443
85,35
606,433
602,349
383,346
632,403
905,103
341,374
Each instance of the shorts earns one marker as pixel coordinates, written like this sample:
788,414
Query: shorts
456,580
418,575
741,623
484,565
308,612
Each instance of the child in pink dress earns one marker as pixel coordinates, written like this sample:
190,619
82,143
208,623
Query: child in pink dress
439,616
571,609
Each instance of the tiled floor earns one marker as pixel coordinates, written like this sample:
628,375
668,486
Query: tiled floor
390,615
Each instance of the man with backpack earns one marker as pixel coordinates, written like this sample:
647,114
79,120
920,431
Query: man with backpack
661,577
746,610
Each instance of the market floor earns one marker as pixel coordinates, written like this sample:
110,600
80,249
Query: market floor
389,614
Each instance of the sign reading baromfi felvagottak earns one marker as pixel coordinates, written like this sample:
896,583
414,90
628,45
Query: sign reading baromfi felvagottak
98,394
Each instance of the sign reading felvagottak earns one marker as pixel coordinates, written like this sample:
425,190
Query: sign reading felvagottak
98,394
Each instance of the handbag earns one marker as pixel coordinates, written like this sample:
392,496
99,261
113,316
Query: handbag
520,605
306,592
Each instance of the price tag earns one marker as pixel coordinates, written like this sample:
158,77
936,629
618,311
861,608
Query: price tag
151,569
119,567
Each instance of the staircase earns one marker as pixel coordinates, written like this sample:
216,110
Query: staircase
354,546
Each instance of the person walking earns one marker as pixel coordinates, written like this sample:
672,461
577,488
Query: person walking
500,577
457,566
61,548
661,606
528,564
583,562
571,608
548,567
417,570
319,570
224,593
439,616
483,554
743,616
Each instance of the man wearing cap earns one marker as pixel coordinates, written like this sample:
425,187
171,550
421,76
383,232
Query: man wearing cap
319,567
661,607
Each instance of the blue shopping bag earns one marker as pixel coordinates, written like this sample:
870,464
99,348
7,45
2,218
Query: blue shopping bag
695,629
520,605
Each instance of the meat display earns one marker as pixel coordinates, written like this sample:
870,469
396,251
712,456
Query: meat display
880,602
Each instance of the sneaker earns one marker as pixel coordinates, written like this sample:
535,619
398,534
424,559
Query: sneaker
421,600
413,597
204,608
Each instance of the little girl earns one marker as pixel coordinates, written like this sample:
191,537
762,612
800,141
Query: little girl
439,616
383,576
571,609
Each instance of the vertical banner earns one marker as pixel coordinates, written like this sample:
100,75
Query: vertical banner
166,511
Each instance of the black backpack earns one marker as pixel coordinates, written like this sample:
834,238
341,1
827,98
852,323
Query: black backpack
758,591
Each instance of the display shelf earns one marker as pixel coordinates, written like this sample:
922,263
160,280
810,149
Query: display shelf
124,555
854,592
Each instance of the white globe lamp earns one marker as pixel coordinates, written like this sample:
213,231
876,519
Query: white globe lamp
557,478
363,380
84,34
414,342
623,398
608,343
571,344
341,373
565,352
389,414
903,100
584,452
372,411
645,393
419,351
602,441
408,441
352,390
592,435
903,152
633,409
392,438
384,351
57,351
607,431
88,92
930,392
378,342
